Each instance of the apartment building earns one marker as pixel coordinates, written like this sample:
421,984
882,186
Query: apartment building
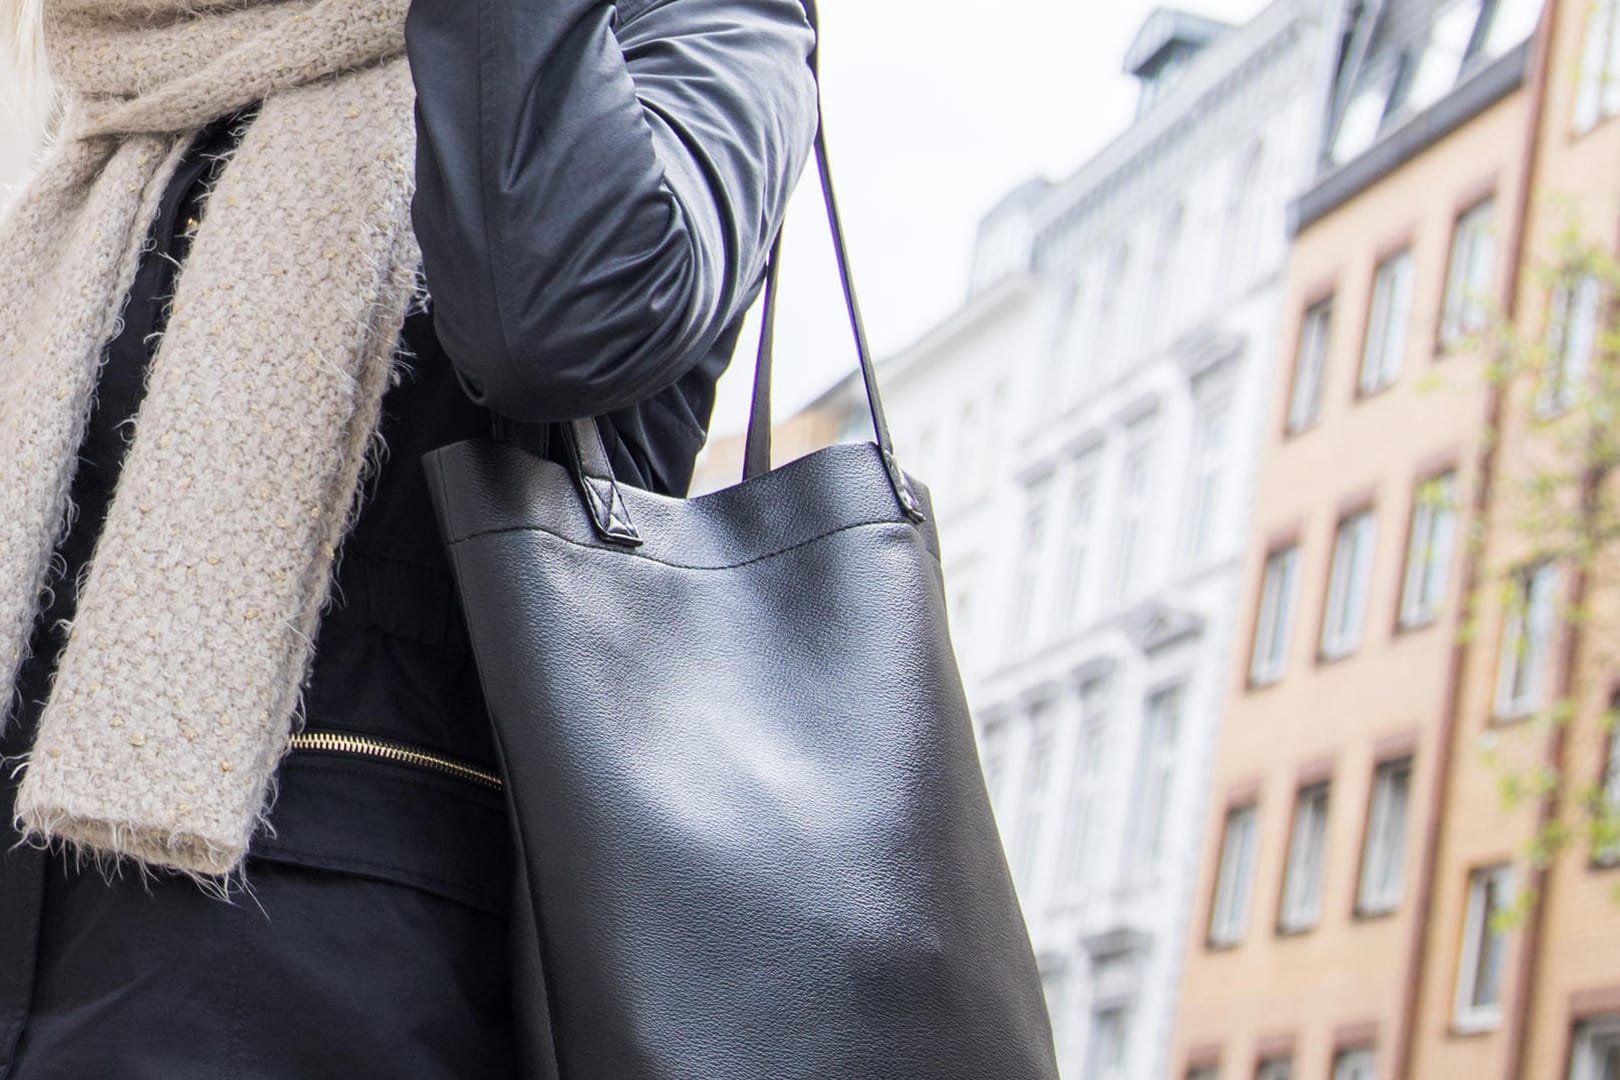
1539,996
1318,880
1094,480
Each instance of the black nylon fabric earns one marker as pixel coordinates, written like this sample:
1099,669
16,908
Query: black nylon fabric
376,942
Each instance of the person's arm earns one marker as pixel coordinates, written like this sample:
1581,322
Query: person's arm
597,187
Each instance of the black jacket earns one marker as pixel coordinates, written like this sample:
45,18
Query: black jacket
597,191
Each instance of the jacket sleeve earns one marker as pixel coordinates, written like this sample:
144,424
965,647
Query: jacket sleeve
597,187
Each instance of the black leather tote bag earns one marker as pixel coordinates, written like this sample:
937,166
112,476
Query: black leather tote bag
754,839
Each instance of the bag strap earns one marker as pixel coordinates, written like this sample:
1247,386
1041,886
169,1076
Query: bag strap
757,446
582,439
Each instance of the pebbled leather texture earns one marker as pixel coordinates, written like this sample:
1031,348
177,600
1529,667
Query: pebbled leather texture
755,839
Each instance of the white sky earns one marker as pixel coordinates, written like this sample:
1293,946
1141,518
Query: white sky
934,110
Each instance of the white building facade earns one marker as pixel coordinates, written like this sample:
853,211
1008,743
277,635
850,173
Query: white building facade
1090,421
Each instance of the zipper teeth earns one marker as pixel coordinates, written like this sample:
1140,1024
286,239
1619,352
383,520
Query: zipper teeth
333,742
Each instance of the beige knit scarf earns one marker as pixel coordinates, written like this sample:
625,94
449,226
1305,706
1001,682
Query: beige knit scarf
182,678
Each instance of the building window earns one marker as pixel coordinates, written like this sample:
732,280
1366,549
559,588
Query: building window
1468,281
1363,117
1077,542
1134,504
1085,792
1484,951
1270,658
1155,780
1383,859
1428,552
1021,612
1346,613
1572,330
1361,1064
1597,1049
1526,641
1310,362
1109,1055
1512,21
1598,92
1302,883
1443,58
1387,323
1229,914
1275,1068
993,762
1032,800
1208,465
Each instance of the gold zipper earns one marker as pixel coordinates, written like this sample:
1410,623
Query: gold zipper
333,742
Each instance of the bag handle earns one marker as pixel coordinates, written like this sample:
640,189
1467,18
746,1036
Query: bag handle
582,439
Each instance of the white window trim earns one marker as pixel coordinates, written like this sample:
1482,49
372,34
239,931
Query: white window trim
1024,611
1529,625
1594,1040
1466,1016
1301,907
1208,467
1310,365
1234,878
1567,368
1344,615
1464,309
1429,550
1355,1063
1389,323
1275,1068
1597,92
1079,543
1370,900
1135,512
1268,661
1153,793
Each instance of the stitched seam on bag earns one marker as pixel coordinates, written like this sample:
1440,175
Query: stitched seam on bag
686,566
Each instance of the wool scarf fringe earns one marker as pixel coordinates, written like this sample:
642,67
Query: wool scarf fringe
182,679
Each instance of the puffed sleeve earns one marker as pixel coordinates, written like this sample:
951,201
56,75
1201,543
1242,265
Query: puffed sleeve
598,186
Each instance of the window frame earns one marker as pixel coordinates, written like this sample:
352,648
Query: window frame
1207,472
1274,623
1036,525
1278,1067
1418,610
1229,932
1559,389
1300,907
1597,97
1347,1057
1517,621
1343,597
1035,783
1463,306
1313,343
1389,322
1156,766
1079,540
1468,1016
1593,1037
1376,831
1134,508
1087,790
